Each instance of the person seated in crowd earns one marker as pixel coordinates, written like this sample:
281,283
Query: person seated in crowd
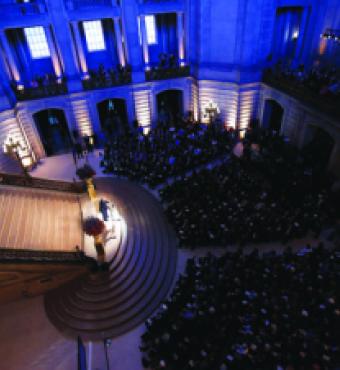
250,312
167,151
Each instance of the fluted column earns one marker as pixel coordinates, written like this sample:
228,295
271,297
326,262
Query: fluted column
145,45
79,48
8,55
119,41
53,52
180,37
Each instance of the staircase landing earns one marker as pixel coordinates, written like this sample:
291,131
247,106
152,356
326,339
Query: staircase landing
106,305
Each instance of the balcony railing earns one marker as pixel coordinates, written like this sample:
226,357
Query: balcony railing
164,73
80,4
38,183
103,79
329,104
15,8
41,91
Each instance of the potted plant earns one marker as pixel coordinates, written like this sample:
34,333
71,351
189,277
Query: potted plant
94,226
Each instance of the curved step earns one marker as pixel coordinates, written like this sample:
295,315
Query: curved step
108,304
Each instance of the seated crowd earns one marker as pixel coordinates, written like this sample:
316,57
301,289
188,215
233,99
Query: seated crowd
239,312
267,194
166,151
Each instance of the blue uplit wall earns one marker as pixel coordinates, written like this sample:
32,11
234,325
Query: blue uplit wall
108,57
166,37
29,68
225,41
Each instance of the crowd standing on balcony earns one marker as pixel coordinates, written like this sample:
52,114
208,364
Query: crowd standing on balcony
103,77
44,85
168,67
240,312
321,81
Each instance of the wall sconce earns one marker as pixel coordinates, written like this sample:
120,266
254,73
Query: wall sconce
20,87
295,35
331,34
211,111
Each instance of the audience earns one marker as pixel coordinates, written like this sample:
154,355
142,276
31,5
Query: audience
166,151
322,81
275,312
107,77
168,67
268,194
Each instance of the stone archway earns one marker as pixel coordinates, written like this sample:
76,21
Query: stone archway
272,115
169,106
53,131
113,116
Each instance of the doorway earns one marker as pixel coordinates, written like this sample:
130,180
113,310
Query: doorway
272,116
53,130
169,106
113,117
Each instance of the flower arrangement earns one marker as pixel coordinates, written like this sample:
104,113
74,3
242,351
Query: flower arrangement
93,226
85,172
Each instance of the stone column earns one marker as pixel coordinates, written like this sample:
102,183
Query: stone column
301,36
64,43
119,41
180,38
8,55
79,47
53,52
145,45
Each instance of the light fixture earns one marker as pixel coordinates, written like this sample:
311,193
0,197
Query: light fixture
17,150
211,110
331,34
295,35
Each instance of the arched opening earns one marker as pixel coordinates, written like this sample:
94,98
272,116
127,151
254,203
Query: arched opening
319,147
53,130
169,106
272,115
113,116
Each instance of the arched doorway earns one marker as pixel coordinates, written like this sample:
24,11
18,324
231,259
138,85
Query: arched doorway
319,147
53,130
272,115
113,116
169,106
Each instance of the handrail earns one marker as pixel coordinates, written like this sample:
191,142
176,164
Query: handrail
165,73
24,256
39,183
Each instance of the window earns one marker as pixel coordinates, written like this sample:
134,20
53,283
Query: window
150,25
94,35
37,43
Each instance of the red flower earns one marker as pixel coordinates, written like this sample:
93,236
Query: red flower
93,226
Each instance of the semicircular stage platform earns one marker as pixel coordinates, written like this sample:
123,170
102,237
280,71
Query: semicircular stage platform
142,267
